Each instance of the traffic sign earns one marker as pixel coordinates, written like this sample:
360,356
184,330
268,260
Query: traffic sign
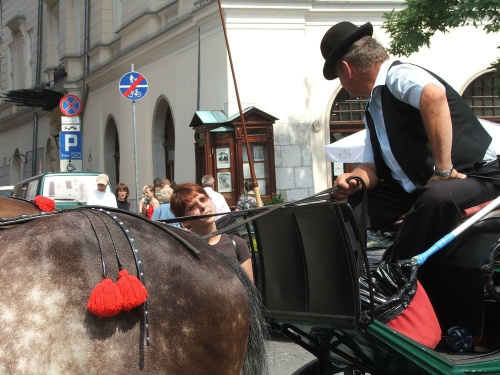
70,165
70,105
133,86
70,145
65,120
70,128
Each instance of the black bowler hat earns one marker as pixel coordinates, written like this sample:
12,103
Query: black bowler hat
338,40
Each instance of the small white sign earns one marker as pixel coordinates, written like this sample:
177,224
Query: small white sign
338,169
70,165
70,128
65,120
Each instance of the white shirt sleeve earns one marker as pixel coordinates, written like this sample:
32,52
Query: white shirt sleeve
406,83
368,151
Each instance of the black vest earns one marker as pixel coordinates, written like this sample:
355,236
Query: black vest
409,142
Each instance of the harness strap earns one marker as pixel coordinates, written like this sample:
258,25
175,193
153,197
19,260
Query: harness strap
236,250
139,267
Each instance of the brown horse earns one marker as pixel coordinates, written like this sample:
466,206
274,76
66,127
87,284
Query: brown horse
203,314
12,207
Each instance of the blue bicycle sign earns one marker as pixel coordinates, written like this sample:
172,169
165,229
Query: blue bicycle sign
133,86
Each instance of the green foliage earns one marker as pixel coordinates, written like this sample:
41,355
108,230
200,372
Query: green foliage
275,200
413,27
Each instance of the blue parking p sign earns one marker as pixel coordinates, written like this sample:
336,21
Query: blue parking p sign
70,145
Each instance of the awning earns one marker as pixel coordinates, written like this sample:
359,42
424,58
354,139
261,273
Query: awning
42,98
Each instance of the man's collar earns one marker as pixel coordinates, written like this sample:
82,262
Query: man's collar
382,74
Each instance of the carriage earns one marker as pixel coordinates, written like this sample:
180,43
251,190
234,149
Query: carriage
308,259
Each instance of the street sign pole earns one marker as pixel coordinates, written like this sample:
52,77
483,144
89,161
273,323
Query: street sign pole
135,151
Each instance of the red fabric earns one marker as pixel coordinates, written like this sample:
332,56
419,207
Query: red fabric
418,321
133,291
149,211
468,212
44,204
105,299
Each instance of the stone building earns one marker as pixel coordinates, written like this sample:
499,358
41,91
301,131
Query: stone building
87,45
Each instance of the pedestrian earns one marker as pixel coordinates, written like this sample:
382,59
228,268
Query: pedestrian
247,200
218,199
158,185
422,139
163,212
148,203
166,182
122,193
102,196
191,199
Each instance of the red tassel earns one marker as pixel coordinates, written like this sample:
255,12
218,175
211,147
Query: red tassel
45,204
105,299
132,289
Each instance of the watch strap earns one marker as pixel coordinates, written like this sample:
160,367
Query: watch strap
446,173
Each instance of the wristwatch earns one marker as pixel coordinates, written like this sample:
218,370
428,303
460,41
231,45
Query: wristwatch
446,173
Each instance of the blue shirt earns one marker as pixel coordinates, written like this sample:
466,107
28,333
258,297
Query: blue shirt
162,212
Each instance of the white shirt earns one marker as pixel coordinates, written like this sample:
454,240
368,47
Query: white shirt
218,200
98,198
406,83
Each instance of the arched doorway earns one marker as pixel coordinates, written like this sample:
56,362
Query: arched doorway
112,152
481,95
346,118
163,141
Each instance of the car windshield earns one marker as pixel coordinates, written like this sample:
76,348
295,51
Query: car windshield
69,187
5,193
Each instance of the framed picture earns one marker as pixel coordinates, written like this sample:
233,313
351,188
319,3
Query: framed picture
223,158
224,182
258,153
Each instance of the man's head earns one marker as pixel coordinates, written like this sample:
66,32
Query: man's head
207,181
102,182
337,41
165,182
157,183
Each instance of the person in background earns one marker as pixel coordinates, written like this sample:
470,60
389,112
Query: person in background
158,185
218,199
166,182
191,199
148,204
102,196
122,193
162,212
247,199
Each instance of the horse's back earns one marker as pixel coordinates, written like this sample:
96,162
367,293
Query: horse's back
197,308
13,208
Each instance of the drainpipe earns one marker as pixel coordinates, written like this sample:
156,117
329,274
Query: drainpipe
86,48
37,83
199,69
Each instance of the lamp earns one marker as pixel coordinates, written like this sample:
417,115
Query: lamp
21,156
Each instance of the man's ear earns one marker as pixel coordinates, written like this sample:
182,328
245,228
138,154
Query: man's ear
346,68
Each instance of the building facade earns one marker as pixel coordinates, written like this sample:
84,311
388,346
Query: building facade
87,45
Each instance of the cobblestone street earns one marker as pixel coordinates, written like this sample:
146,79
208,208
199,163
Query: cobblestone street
285,357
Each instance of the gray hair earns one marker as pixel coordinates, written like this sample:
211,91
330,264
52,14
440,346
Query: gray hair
364,53
166,193
207,180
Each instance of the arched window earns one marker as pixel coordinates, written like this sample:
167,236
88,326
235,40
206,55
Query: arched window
112,152
346,118
482,97
164,141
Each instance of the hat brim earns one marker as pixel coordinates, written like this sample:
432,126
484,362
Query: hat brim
337,53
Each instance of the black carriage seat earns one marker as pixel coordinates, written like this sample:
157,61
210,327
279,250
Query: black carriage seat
311,256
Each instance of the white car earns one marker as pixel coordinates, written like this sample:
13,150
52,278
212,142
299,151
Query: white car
6,190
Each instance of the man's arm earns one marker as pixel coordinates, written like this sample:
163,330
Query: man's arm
366,171
437,121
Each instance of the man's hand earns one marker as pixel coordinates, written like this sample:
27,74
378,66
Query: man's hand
347,188
454,174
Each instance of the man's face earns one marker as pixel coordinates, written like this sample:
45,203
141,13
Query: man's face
350,78
101,187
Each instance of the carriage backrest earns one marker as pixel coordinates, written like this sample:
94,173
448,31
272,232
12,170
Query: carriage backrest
310,257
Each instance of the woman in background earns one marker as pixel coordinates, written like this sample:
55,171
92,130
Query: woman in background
148,204
122,193
247,199
191,199
162,212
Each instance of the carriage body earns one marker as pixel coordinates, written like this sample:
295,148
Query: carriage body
309,258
